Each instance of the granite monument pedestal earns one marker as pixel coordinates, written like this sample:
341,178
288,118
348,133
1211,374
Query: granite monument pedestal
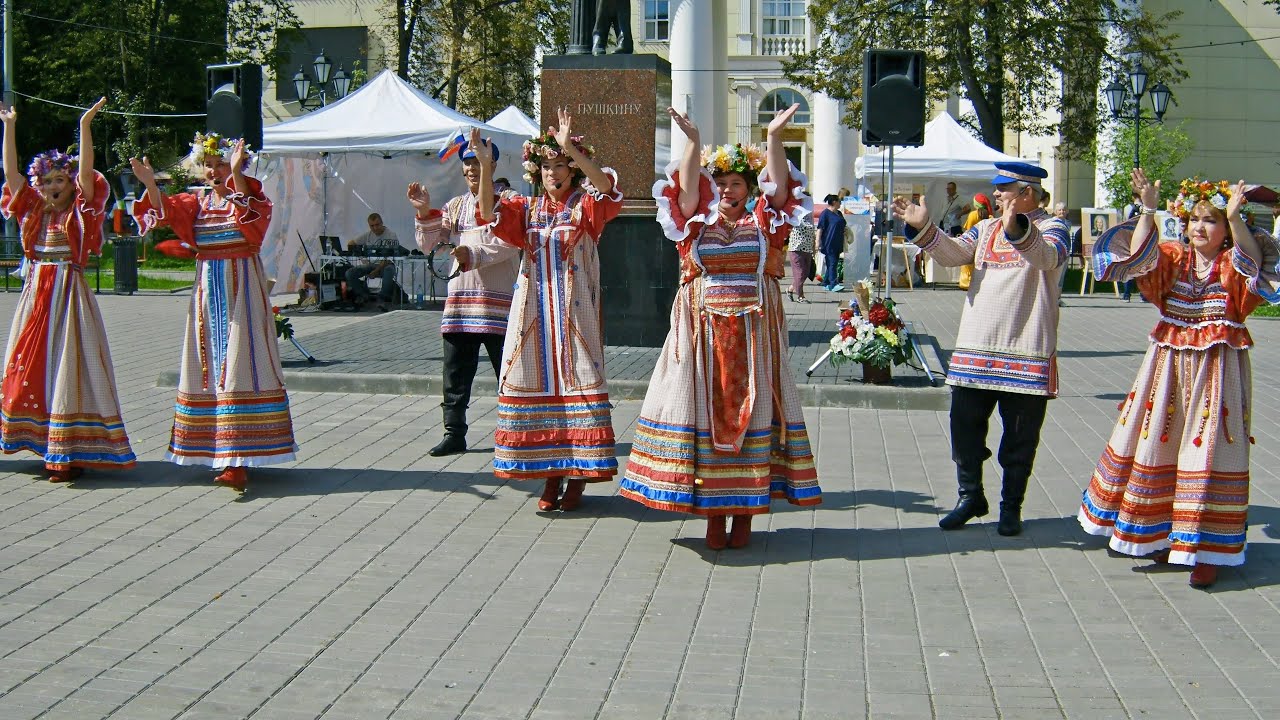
619,102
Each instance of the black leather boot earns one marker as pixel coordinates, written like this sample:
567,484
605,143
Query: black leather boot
451,445
598,44
972,502
1011,495
624,43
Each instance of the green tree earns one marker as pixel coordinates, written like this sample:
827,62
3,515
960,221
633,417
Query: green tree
1161,148
477,56
254,27
1019,62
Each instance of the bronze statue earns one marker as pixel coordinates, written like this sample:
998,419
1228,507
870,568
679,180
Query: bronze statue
591,21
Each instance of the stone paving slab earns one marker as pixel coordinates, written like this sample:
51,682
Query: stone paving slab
369,580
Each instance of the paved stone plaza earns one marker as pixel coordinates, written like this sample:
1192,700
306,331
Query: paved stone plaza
369,580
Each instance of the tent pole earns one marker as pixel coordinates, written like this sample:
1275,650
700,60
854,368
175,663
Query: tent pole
887,244
324,193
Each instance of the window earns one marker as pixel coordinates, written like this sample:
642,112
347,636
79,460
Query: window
781,100
657,19
783,17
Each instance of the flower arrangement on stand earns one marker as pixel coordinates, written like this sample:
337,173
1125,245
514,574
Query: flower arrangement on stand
878,339
284,329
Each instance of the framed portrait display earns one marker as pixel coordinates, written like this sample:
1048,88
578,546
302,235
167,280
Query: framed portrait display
1095,221
1169,226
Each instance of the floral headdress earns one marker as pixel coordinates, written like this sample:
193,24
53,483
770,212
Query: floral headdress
1194,191
50,161
205,145
745,160
544,146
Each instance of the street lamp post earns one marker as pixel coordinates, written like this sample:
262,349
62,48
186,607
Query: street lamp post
322,66
1121,98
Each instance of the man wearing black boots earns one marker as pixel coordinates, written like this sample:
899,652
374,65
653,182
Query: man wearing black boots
479,298
1005,354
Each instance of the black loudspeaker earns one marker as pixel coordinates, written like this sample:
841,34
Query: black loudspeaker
234,102
893,97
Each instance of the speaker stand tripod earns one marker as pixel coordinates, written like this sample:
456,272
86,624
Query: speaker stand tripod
886,283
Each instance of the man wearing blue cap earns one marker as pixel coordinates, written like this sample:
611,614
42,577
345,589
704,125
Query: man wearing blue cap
479,298
1006,346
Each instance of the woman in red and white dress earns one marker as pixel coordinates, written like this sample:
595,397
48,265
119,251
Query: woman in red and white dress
721,430
59,389
232,411
1173,481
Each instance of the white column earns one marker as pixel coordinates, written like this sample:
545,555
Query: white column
691,55
746,29
746,111
829,151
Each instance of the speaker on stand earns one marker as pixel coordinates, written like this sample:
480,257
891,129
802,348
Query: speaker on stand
892,115
233,101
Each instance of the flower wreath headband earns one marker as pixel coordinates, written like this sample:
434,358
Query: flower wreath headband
744,160
205,145
1193,191
545,147
52,161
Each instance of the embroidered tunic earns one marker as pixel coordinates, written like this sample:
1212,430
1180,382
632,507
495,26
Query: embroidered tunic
721,429
479,300
1008,336
1175,473
232,409
553,402
59,388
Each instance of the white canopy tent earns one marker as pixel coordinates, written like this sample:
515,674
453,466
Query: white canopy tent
326,171
513,120
950,153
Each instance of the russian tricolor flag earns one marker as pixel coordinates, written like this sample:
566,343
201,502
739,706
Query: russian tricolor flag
452,148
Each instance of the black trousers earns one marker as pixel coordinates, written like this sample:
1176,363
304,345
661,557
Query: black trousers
461,359
1022,415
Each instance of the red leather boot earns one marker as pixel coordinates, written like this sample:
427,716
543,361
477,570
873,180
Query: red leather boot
716,539
572,494
550,499
1204,576
740,536
233,477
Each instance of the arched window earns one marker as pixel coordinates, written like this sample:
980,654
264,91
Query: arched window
781,100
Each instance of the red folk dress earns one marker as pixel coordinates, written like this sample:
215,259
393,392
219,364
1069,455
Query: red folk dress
1175,473
554,415
59,388
232,409
721,430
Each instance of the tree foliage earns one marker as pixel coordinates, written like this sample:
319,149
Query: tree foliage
478,56
1019,62
147,57
1161,149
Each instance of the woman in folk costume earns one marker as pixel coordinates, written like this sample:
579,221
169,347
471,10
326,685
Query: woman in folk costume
554,422
232,410
59,389
1174,477
721,430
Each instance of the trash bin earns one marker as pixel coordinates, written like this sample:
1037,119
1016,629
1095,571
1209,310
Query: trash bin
126,266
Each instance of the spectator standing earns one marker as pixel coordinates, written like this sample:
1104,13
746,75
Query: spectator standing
831,227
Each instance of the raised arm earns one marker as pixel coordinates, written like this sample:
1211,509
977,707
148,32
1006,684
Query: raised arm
690,162
594,174
238,156
13,177
484,153
1150,194
1240,233
776,155
86,178
147,176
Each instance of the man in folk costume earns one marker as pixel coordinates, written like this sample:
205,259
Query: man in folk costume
554,415
1005,354
479,299
59,389
232,410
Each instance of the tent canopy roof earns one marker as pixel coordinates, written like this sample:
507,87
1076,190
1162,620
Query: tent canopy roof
949,151
514,120
386,115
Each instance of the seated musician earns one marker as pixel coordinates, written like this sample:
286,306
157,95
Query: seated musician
379,241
